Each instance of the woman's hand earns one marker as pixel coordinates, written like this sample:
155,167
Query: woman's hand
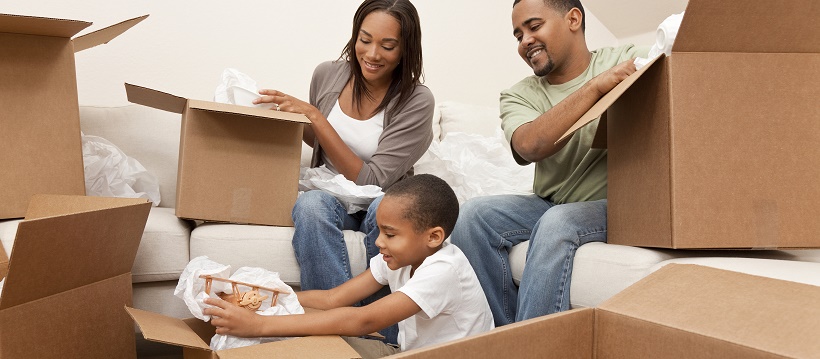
232,319
287,103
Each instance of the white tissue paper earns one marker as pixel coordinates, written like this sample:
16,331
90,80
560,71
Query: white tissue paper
109,172
475,165
238,89
352,196
191,288
664,39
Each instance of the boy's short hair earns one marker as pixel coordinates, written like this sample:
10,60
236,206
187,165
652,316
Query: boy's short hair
432,202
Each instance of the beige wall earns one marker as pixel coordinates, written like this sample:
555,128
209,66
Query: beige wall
183,46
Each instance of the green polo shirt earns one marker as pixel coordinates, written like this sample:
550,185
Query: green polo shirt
577,173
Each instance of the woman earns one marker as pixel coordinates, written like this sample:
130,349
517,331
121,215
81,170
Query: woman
371,120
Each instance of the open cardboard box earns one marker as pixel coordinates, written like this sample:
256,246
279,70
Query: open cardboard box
40,144
236,164
193,335
679,311
69,276
716,146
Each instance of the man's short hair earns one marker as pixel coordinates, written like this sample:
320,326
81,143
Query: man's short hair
564,6
431,202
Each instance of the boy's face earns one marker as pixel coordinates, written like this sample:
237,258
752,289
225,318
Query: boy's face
399,242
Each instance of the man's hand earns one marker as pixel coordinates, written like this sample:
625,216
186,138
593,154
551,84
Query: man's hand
608,79
233,320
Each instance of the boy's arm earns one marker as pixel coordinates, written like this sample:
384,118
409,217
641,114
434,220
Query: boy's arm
350,321
345,295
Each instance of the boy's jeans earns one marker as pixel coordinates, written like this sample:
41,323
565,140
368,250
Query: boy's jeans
488,227
319,245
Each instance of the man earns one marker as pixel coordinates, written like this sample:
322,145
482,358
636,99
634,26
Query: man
568,208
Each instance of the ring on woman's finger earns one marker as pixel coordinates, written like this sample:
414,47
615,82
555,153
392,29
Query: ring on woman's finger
277,107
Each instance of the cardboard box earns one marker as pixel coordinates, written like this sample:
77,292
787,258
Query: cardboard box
4,263
69,277
237,164
193,335
716,146
40,144
680,311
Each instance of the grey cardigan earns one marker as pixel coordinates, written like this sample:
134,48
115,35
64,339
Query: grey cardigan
405,138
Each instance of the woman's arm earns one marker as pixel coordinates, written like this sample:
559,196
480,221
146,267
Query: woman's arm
404,140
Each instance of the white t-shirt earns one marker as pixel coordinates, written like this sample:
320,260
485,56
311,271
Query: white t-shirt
361,136
446,288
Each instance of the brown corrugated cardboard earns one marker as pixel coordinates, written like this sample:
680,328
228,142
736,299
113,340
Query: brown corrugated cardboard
680,311
716,145
193,336
69,277
236,164
4,263
40,145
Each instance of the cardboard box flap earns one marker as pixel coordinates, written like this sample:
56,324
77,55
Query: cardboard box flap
32,25
4,263
247,111
297,348
607,100
156,99
103,36
779,316
756,26
51,205
55,254
159,328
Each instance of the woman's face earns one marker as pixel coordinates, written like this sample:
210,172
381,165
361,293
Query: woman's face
379,47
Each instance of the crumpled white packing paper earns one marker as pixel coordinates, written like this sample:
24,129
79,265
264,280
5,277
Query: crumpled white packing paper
475,165
664,39
109,172
191,288
238,89
352,196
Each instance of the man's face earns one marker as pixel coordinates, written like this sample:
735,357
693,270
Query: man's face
534,26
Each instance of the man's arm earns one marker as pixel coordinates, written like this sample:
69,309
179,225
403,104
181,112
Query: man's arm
351,321
535,141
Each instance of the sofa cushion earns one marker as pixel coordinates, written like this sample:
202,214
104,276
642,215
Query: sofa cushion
263,246
163,250
461,117
128,128
600,270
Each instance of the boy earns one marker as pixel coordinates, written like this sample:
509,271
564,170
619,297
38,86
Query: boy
436,296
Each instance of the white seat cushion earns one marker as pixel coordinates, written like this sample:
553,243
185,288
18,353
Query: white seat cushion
263,246
795,271
164,248
601,270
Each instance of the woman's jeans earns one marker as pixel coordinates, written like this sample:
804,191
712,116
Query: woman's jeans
318,241
488,227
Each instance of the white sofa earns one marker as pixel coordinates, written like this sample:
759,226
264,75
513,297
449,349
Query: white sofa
152,137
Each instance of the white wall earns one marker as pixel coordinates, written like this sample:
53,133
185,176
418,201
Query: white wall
182,48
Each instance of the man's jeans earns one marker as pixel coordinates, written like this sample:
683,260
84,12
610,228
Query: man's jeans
318,241
488,227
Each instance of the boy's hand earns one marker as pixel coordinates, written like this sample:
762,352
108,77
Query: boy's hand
231,319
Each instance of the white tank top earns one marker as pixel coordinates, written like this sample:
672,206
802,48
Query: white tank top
362,137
